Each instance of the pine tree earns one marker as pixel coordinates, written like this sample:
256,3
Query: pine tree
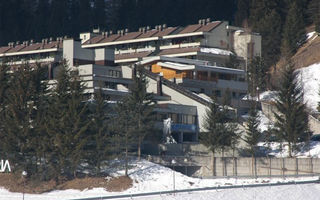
253,134
314,11
256,75
100,13
67,123
291,116
242,14
20,116
100,145
293,30
232,62
124,126
266,19
219,135
141,104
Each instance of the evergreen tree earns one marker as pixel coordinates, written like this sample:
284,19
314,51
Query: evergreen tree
142,105
59,17
232,62
242,13
67,123
41,20
100,141
99,13
219,135
314,11
124,126
256,75
293,30
291,116
21,124
266,19
253,134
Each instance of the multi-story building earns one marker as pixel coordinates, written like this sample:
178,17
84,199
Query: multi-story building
184,66
212,41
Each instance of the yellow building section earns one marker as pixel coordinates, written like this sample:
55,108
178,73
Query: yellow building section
168,73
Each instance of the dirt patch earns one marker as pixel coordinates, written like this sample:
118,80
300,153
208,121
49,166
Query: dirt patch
119,184
15,183
83,183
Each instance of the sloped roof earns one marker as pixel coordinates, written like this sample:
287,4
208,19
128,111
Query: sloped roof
132,55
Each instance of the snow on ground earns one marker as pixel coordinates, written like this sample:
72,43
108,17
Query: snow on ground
312,35
150,177
264,124
264,96
309,80
216,51
281,150
292,192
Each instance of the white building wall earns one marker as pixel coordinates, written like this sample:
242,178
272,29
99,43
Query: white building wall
217,37
176,97
241,41
104,54
72,50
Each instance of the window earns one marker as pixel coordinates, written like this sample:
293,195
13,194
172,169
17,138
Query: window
234,95
217,93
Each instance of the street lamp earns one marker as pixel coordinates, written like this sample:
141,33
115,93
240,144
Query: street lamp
173,162
24,175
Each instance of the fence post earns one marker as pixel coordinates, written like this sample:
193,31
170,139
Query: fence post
270,167
311,165
297,167
234,166
283,173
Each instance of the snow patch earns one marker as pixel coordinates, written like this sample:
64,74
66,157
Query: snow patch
216,51
308,78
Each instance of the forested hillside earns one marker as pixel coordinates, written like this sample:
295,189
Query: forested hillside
280,22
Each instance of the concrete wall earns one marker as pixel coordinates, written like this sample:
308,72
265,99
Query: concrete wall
243,166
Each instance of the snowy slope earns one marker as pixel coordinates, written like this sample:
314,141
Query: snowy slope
150,177
309,80
306,151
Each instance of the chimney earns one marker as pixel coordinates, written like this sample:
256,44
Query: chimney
164,26
148,28
200,21
208,20
17,42
50,39
126,30
110,32
159,85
